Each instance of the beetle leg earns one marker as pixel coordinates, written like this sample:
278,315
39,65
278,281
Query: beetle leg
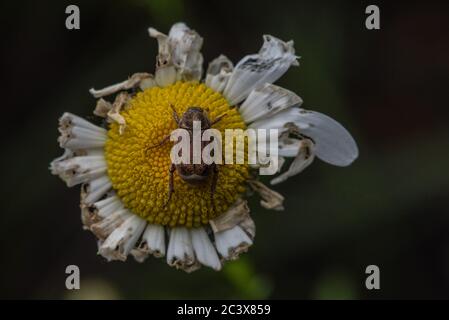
217,119
171,187
213,185
175,114
163,141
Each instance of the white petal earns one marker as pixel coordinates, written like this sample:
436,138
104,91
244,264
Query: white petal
303,159
279,120
230,243
69,120
120,242
155,239
79,138
99,210
54,165
153,242
333,143
93,152
272,61
106,226
180,250
95,189
185,45
108,206
80,169
218,73
289,148
204,250
267,100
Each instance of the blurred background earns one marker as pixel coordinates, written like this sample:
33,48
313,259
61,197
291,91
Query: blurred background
388,87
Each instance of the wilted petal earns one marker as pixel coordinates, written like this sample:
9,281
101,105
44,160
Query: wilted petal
232,217
80,169
270,199
99,210
278,121
114,115
106,226
304,157
102,108
332,142
248,226
231,243
95,189
218,73
179,55
119,243
153,242
165,70
147,83
272,61
180,250
79,134
185,45
266,101
133,82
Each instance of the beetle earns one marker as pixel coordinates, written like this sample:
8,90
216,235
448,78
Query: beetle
193,174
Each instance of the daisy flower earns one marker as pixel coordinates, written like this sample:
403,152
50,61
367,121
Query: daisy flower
124,179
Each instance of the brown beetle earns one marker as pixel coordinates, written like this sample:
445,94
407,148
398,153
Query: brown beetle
193,173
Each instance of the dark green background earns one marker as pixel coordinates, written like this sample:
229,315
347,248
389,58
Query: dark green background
388,87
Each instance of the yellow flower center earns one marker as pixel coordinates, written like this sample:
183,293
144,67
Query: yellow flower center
140,172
